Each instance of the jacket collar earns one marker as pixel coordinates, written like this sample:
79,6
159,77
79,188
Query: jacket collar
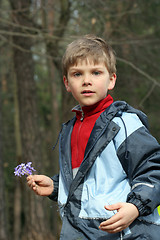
91,110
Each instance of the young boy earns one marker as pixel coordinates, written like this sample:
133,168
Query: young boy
109,181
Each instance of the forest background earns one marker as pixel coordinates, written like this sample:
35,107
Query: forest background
33,101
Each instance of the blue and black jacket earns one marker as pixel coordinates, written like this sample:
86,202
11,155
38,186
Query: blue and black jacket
121,164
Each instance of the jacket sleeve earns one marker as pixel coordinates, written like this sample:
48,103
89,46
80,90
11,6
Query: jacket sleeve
139,155
54,194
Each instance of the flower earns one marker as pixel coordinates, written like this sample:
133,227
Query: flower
24,169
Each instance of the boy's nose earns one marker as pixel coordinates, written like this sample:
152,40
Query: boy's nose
87,81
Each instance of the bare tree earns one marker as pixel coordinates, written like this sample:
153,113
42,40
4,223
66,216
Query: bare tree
36,226
18,182
3,223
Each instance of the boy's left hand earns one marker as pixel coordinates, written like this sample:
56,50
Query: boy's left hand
126,214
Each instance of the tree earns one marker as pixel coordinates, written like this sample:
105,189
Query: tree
18,183
53,43
35,223
3,223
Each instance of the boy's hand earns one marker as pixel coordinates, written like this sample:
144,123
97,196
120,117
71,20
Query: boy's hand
40,184
126,214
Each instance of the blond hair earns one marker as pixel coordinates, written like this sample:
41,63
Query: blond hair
89,47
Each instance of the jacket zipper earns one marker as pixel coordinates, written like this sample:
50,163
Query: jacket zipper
82,117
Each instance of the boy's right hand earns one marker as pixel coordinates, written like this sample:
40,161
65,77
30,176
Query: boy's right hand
40,184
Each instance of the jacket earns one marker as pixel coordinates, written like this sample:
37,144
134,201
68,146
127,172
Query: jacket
121,163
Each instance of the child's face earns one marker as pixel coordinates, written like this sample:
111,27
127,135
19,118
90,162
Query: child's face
89,82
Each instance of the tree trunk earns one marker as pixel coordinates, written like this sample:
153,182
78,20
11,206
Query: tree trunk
3,232
35,224
54,51
17,193
48,24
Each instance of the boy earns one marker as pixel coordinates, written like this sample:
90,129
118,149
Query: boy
109,181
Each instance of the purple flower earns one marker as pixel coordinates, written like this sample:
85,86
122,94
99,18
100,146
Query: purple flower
24,169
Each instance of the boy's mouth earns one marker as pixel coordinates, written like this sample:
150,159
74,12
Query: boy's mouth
87,92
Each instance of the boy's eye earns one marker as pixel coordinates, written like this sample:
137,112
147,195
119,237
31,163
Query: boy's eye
77,74
96,73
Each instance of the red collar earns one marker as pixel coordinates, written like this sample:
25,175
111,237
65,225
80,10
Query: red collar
90,110
83,128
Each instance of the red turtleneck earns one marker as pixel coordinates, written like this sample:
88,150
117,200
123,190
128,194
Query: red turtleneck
83,127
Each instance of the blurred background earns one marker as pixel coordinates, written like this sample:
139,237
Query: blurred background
33,101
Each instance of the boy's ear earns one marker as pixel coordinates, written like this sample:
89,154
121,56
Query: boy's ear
112,81
66,84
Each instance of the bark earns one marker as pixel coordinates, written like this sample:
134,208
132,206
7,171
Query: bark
3,223
35,226
54,51
17,193
48,24
53,44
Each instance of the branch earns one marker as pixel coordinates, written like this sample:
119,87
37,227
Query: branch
38,53
147,95
35,29
156,83
137,41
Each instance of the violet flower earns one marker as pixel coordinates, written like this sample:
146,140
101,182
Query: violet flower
24,169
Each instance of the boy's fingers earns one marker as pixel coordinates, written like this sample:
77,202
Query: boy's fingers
35,188
31,183
33,179
113,207
110,221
